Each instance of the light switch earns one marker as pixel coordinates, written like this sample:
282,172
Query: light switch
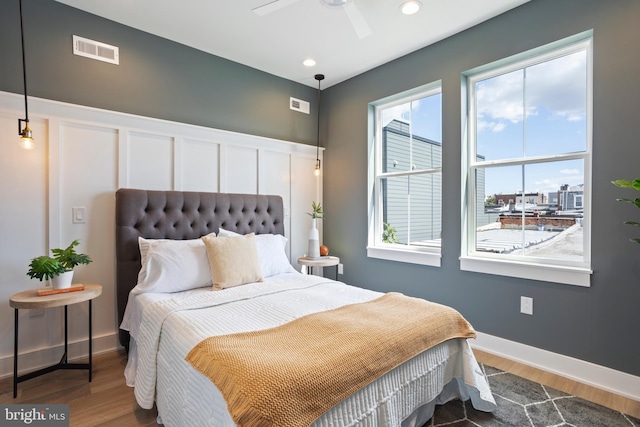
79,215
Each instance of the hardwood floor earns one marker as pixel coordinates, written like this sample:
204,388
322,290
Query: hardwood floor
107,401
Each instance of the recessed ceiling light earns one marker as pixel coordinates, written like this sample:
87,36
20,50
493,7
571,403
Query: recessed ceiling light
410,7
309,62
335,2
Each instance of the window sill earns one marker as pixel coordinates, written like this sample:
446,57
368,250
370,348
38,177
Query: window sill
412,256
549,273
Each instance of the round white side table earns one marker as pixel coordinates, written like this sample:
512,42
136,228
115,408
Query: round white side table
325,261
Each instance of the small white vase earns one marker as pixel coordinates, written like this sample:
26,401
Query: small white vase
63,280
314,241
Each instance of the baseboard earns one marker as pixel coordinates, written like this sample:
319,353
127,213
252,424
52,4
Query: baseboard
601,377
39,358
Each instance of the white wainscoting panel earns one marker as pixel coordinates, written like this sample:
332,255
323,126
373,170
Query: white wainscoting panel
82,156
150,161
305,189
23,226
274,171
241,170
200,166
89,157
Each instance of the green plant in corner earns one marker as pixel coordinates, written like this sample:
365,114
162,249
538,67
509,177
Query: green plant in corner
47,267
635,184
317,212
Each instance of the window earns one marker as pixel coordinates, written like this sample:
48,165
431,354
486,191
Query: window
529,138
405,218
577,201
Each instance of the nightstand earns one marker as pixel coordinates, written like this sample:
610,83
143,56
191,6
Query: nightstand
325,261
30,300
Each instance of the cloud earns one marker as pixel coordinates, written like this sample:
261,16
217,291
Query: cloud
570,172
553,184
492,126
556,87
400,112
548,185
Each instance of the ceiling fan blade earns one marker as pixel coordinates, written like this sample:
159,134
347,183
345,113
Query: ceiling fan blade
358,22
272,6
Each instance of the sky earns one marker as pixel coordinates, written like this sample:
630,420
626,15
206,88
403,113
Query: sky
532,112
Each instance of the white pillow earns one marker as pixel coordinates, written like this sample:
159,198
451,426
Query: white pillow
144,245
271,252
227,233
172,266
272,256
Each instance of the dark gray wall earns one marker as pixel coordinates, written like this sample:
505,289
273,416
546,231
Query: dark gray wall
155,78
598,324
159,78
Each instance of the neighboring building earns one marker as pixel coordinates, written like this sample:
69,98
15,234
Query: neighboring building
424,221
425,217
516,199
571,198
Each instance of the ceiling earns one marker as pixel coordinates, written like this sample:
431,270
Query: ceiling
288,31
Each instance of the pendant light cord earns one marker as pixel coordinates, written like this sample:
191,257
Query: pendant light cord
319,78
24,67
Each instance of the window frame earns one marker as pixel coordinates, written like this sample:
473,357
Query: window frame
430,256
528,267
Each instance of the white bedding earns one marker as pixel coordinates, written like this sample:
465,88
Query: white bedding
164,328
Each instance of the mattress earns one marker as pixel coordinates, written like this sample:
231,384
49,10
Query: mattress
164,328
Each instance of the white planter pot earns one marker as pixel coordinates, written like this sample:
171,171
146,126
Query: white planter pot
63,280
314,241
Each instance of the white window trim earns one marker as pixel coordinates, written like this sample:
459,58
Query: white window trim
405,254
570,273
375,247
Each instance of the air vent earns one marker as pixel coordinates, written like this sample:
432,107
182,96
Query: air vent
299,105
95,50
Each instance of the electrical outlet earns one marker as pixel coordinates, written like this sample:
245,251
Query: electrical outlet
526,305
340,269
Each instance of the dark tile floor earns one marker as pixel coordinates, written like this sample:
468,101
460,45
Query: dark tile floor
524,403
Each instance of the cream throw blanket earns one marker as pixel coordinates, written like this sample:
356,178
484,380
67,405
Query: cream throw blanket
291,374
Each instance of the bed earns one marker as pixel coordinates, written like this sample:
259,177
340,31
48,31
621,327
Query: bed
162,325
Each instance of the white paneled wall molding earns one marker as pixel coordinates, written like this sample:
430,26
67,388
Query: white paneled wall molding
82,156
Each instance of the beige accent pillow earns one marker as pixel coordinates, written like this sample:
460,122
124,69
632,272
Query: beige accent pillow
233,260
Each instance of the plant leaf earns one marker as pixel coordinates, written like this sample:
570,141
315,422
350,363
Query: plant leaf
624,199
636,184
635,240
634,223
622,183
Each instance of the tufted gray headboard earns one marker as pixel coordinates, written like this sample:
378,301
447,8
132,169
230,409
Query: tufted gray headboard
180,215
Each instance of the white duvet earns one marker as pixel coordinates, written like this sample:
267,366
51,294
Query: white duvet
164,328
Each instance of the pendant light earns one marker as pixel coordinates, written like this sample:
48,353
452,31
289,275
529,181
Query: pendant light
319,78
26,136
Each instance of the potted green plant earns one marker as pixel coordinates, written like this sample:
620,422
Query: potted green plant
314,236
316,210
635,184
59,267
389,234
